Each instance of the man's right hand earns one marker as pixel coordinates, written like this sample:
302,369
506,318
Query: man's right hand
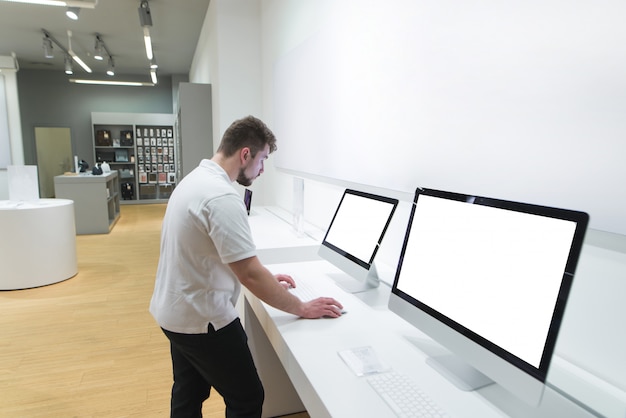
321,307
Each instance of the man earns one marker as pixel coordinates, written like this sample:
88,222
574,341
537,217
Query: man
207,253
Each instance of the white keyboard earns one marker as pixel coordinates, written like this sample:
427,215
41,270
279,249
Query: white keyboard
403,396
304,292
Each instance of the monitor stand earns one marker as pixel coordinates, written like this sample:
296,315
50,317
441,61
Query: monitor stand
453,368
458,372
352,285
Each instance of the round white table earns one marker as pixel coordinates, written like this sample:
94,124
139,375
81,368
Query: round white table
37,243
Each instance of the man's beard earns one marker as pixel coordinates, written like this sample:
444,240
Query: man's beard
243,180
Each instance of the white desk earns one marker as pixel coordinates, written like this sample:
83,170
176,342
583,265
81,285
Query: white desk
38,243
589,354
277,241
298,362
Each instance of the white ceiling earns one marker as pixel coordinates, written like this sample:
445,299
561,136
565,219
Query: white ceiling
176,25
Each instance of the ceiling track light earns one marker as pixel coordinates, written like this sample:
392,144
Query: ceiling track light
70,55
145,20
72,12
68,65
145,17
101,51
53,40
47,47
111,69
67,51
98,49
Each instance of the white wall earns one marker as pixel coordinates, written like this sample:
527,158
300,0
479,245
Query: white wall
235,52
513,100
228,56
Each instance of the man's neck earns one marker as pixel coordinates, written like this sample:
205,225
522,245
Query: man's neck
228,164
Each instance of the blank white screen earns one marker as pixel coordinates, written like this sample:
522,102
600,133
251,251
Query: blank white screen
496,272
358,225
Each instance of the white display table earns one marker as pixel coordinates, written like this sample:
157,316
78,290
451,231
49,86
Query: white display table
96,200
298,362
38,243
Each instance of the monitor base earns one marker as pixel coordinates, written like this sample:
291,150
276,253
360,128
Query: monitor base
352,285
459,373
453,368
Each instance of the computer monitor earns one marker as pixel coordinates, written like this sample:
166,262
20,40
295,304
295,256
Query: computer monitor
488,279
353,238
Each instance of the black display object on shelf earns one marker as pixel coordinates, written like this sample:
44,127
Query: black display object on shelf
155,161
142,153
115,145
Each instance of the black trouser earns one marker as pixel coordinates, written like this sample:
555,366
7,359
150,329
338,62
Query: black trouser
219,359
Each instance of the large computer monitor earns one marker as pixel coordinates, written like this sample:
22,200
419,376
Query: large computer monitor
488,279
353,238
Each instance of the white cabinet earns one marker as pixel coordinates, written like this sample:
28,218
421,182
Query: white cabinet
96,200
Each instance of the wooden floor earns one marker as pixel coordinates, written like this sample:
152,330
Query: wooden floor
88,347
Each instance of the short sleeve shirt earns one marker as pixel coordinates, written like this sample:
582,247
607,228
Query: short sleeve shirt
204,229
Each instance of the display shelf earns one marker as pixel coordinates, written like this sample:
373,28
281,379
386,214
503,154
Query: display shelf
113,199
142,147
156,160
96,200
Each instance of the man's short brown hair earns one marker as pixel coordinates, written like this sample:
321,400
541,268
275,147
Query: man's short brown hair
248,132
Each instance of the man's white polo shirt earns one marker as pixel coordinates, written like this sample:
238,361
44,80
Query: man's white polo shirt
205,227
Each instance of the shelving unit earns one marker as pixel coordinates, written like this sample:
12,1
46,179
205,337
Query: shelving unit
115,145
96,200
156,161
142,147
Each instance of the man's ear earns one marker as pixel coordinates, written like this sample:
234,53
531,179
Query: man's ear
245,154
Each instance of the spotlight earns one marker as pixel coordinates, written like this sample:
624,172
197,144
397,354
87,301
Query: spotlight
68,65
98,55
72,12
111,69
153,64
47,47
